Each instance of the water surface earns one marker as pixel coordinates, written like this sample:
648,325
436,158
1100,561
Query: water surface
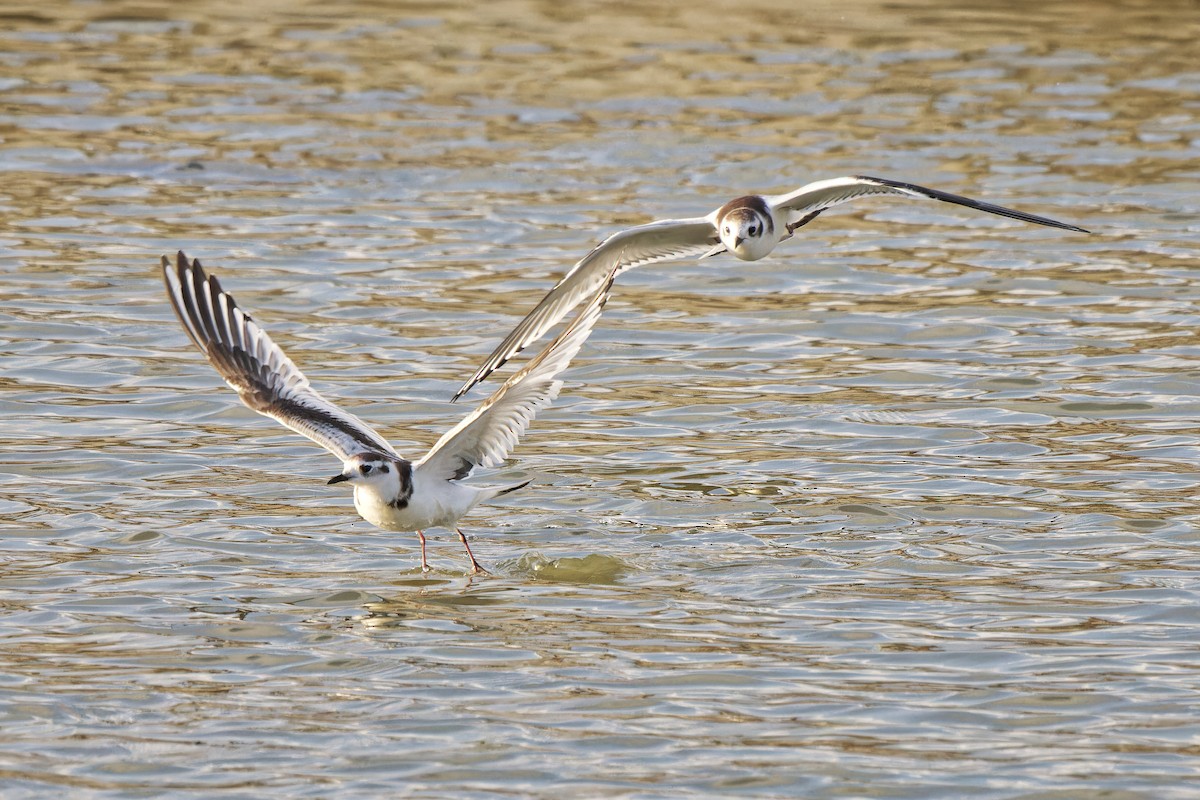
906,510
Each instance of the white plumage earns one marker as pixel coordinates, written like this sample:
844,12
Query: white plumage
389,491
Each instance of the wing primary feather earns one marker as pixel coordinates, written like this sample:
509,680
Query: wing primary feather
978,205
202,303
820,195
260,372
175,286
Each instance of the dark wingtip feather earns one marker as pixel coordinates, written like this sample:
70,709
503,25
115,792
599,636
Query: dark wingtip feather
967,202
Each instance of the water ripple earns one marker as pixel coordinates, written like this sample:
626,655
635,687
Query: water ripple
915,515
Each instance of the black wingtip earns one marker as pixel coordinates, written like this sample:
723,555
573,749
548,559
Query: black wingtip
514,488
481,376
182,262
967,202
466,387
473,382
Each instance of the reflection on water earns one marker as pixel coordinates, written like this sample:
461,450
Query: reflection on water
905,510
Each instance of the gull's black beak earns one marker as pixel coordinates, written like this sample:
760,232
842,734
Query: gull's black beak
737,241
338,479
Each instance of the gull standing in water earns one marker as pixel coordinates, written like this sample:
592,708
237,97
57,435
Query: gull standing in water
749,227
390,492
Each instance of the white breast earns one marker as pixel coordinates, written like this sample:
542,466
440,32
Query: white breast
433,503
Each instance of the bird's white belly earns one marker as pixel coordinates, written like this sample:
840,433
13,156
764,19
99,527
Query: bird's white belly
439,504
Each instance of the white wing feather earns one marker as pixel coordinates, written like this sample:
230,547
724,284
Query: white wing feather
488,434
634,247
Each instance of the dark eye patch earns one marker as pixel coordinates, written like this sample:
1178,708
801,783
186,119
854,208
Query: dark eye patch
385,469
366,469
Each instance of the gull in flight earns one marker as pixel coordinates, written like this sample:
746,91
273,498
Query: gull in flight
390,491
749,227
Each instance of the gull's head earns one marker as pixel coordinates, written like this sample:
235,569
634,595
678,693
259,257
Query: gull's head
383,474
746,227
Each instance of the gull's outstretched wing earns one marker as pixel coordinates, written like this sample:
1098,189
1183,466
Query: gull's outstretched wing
262,374
808,201
489,433
634,247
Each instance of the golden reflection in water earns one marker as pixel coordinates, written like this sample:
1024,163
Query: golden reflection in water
900,511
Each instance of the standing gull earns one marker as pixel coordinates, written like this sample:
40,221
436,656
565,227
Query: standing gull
749,227
390,492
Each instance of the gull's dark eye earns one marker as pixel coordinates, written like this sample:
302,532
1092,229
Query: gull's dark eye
728,230
365,469
753,231
384,469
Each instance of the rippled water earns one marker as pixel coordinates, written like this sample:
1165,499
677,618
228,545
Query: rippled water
907,510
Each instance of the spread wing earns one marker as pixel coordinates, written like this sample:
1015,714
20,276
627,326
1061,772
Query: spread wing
489,433
635,247
808,201
262,374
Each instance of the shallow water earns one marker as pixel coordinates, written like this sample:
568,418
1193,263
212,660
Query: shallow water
907,510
